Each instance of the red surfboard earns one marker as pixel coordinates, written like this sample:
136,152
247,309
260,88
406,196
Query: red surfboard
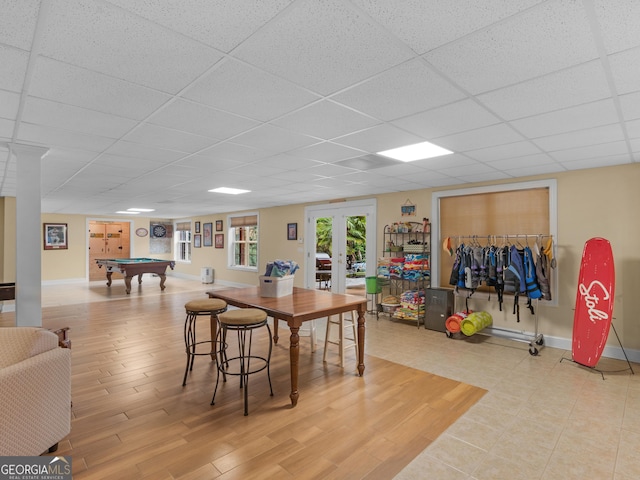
594,302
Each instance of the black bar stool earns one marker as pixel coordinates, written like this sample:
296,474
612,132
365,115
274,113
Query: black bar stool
211,307
244,321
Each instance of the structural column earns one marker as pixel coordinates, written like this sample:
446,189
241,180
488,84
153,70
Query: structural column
29,234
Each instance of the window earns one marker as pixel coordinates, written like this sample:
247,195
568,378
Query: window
243,242
183,242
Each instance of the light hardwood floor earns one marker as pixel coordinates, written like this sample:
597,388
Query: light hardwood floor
541,418
133,419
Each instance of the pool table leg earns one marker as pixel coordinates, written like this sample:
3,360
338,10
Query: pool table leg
163,277
109,279
139,278
127,283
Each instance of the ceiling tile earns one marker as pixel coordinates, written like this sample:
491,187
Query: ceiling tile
289,162
324,46
107,39
133,150
400,91
590,152
625,67
6,128
534,169
68,117
479,138
65,83
222,23
50,137
630,105
453,118
407,18
446,161
168,138
326,120
14,66
235,152
273,139
327,152
588,115
590,136
199,119
553,36
633,129
249,92
618,23
9,102
541,160
509,150
378,138
596,162
567,88
18,22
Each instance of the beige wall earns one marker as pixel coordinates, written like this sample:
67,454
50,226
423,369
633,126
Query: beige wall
597,202
8,239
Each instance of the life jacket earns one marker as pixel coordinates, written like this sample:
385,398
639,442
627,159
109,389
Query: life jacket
533,290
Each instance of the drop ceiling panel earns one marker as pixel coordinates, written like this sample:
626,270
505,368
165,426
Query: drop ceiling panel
406,19
511,150
590,136
400,91
18,21
453,118
168,138
579,117
69,117
9,103
595,162
273,139
222,24
65,83
509,164
327,152
234,151
567,88
590,152
247,91
159,156
446,161
534,169
6,128
107,39
479,138
633,129
50,136
618,23
630,105
288,162
323,46
14,66
200,119
326,120
625,68
378,138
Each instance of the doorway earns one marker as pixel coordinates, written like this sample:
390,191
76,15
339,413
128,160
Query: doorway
335,220
107,240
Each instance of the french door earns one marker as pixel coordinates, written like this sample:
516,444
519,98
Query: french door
334,220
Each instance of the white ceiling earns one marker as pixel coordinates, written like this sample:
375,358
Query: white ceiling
151,104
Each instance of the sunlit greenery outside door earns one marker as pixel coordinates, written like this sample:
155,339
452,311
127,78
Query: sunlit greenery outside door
356,237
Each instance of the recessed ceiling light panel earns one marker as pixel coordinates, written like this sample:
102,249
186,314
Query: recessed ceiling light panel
127,212
140,209
230,191
417,151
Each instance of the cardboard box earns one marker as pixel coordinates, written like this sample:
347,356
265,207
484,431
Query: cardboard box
276,286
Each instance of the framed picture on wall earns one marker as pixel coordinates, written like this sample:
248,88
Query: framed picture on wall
292,231
197,240
219,240
55,236
218,225
197,227
207,229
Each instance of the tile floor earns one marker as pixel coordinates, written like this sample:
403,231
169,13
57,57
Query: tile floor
542,418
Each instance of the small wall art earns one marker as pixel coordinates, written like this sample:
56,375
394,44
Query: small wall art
219,240
55,236
292,231
207,229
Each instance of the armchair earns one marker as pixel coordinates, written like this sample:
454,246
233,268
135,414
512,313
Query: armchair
35,391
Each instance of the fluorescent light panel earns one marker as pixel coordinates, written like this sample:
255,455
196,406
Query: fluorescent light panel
141,209
417,151
127,212
230,191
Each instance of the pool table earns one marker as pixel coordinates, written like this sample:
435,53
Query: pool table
130,267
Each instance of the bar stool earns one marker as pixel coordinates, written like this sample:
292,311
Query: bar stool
244,321
211,307
343,341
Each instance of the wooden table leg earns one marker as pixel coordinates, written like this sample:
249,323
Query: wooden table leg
275,330
361,318
109,278
163,278
294,356
140,278
127,283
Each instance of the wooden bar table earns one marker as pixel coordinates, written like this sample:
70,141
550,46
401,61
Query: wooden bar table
299,307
